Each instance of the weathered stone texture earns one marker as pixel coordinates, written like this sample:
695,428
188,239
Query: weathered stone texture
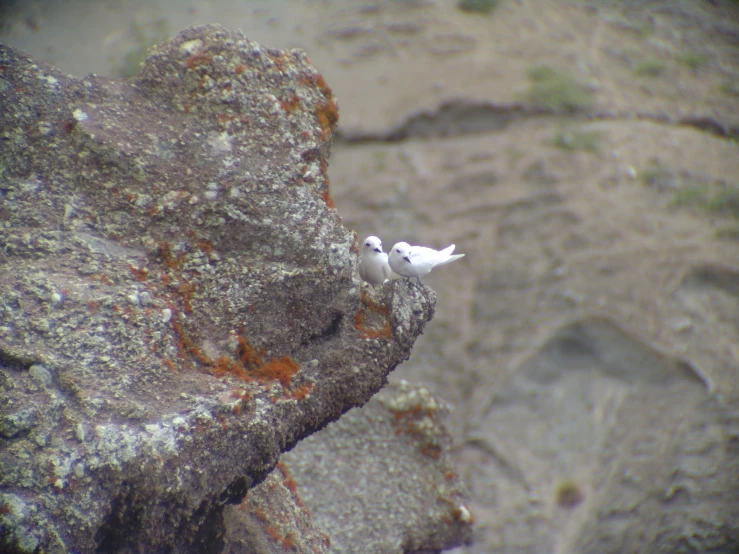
178,298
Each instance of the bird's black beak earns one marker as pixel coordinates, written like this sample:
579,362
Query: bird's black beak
407,259
378,250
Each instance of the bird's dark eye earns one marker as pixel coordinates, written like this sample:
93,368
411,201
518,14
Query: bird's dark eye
397,250
367,244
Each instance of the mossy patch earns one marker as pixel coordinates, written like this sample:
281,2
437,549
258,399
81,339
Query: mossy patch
654,174
649,68
718,198
729,88
568,494
477,6
691,60
557,91
575,139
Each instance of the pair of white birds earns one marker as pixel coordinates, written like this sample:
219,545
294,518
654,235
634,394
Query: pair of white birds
376,267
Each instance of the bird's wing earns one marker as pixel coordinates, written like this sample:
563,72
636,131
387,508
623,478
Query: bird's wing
421,254
386,271
361,269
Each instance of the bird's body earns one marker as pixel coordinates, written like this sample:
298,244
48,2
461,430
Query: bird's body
417,261
373,264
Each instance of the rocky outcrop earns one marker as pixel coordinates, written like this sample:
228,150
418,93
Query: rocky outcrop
378,480
179,302
389,483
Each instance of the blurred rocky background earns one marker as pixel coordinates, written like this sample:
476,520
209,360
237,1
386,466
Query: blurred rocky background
583,155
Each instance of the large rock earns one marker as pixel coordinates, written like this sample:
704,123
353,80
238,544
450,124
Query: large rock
178,299
379,480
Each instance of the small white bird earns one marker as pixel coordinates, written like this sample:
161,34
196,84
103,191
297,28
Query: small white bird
373,266
417,261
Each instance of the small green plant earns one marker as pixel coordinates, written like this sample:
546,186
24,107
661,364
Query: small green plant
645,29
477,6
574,138
718,198
691,60
568,494
649,68
557,91
380,159
691,195
725,200
654,174
729,88
728,231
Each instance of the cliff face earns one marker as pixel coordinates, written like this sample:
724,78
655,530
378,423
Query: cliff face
178,298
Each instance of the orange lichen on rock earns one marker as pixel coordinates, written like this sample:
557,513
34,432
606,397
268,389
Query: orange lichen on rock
250,365
139,273
291,104
227,365
431,451
186,290
302,391
385,332
371,304
168,259
281,369
205,245
327,199
194,60
248,355
328,115
287,480
366,332
417,421
187,346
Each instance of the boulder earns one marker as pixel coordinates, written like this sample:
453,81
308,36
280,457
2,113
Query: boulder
178,297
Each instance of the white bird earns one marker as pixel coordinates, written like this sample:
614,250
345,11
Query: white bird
417,261
373,266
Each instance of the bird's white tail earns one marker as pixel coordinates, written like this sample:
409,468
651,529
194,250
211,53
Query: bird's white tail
448,252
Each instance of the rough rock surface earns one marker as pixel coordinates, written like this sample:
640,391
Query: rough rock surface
381,477
378,480
272,519
179,302
617,217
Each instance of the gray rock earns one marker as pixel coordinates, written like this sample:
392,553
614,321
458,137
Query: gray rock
380,480
603,443
169,252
